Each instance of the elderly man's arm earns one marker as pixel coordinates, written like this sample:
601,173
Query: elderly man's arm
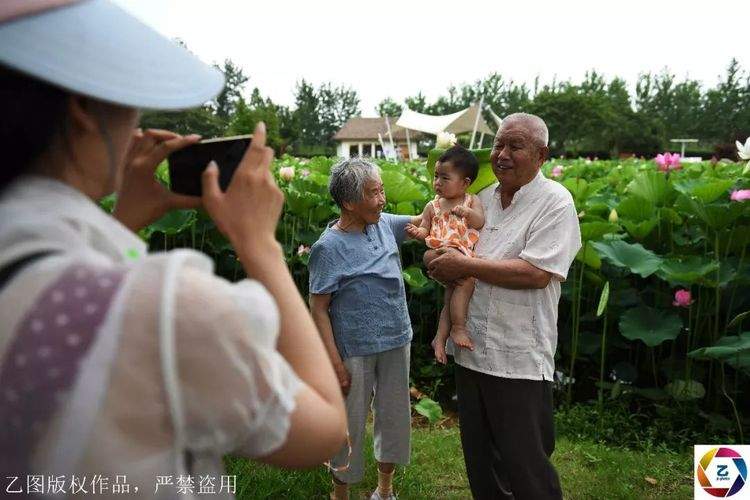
508,273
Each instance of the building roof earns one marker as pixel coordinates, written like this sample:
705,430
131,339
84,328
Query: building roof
359,128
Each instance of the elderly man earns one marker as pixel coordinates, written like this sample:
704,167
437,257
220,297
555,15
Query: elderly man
504,385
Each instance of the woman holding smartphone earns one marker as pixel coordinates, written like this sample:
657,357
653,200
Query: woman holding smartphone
115,362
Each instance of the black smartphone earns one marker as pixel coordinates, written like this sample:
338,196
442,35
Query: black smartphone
187,165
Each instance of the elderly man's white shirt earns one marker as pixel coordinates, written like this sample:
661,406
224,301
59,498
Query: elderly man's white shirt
515,331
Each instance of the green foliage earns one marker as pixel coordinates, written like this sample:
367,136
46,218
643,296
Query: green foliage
586,468
632,256
652,326
630,341
732,349
430,409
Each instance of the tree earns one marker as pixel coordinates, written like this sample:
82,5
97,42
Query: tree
201,121
306,114
234,80
726,109
247,115
336,106
320,113
388,107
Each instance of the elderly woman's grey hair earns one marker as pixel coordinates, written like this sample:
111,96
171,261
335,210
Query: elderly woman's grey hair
535,125
348,179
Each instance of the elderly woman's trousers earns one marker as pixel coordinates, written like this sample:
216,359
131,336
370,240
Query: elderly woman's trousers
380,381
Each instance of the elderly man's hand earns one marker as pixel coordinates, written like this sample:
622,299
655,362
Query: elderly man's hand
449,267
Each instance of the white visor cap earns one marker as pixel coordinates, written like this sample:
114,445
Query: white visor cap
95,48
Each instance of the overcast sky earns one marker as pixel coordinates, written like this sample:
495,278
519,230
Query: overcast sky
397,48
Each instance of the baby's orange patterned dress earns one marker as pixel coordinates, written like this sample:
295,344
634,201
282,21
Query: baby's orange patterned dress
450,230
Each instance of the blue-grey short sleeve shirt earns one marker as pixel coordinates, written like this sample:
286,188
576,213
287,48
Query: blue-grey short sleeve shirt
362,272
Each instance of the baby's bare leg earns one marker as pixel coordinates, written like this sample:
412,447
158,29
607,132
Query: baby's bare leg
444,328
429,256
459,308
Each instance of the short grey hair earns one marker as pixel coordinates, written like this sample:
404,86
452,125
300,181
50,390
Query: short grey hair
348,179
535,125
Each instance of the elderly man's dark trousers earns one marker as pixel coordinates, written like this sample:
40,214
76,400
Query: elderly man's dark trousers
507,435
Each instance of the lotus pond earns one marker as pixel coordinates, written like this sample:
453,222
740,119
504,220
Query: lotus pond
654,313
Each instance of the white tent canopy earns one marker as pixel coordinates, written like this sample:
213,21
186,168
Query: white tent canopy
456,123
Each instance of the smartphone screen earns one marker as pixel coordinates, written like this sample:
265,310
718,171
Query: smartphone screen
186,166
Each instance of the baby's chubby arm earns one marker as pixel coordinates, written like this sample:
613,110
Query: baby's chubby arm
474,213
421,232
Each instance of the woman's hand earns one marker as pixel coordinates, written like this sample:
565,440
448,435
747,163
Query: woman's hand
142,199
345,378
416,233
248,212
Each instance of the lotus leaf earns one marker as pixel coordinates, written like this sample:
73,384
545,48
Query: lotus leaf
652,326
406,208
301,203
399,188
685,390
686,270
629,255
174,222
636,209
731,349
652,187
595,230
639,230
430,409
588,256
417,281
705,191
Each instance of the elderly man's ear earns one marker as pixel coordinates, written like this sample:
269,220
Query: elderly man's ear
543,154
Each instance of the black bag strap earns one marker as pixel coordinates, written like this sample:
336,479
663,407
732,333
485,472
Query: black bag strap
9,271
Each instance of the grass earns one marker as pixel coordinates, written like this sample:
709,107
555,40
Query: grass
587,470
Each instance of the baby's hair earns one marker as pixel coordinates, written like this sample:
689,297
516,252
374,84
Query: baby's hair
463,160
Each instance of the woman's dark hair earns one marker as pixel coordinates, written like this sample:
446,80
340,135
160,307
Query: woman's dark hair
33,112
462,160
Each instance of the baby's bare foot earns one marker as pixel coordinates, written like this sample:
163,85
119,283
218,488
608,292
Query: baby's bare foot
460,337
438,345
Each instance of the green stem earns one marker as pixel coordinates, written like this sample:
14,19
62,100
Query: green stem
601,363
734,406
576,324
688,347
734,286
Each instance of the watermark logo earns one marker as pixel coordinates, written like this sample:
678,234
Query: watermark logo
721,471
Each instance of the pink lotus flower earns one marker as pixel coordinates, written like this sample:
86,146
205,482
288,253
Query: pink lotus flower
740,195
557,171
682,298
668,161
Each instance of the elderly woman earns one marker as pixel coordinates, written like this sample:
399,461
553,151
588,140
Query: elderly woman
358,302
117,364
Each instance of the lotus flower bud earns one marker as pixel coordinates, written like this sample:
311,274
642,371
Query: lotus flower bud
286,173
445,140
682,298
613,217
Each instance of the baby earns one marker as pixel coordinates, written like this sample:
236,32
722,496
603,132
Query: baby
452,220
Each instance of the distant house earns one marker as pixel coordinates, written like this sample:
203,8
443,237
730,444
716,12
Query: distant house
359,137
